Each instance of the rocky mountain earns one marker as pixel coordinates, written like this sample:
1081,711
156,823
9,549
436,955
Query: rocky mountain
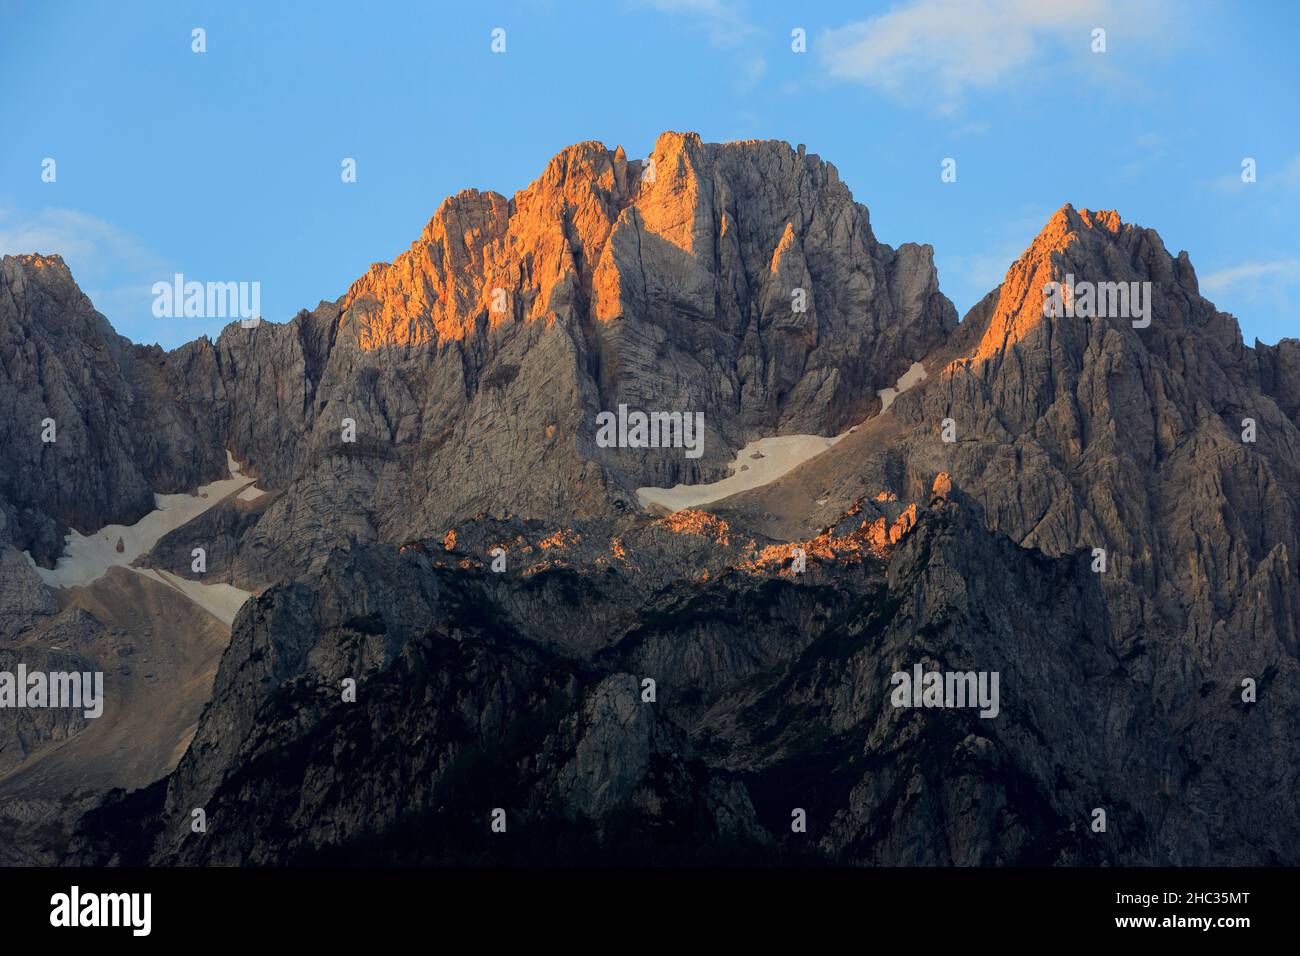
474,366
466,618
74,397
1173,448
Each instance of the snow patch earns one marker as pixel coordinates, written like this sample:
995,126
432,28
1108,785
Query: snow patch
87,558
222,601
767,459
909,378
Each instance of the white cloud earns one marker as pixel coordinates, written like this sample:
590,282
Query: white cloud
1288,177
93,248
725,21
938,51
1267,178
728,27
1254,275
114,269
1148,149
982,272
991,248
1265,290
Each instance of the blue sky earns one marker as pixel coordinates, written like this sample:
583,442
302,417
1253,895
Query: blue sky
225,165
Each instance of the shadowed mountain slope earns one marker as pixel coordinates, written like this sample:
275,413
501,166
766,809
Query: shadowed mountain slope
1099,506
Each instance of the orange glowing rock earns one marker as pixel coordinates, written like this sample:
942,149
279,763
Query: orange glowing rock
1020,302
485,260
564,538
904,523
874,538
696,522
942,486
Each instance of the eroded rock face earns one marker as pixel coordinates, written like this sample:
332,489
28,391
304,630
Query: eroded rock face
119,434
1091,439
23,597
668,285
960,529
479,690
669,291
675,277
1082,433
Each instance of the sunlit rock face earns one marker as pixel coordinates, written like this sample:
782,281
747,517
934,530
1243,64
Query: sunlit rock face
1066,499
718,235
1082,431
738,279
736,282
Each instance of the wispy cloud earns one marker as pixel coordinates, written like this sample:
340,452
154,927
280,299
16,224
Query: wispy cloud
1252,275
728,27
984,271
939,51
726,22
1265,291
966,277
1284,178
753,71
1148,149
113,268
1289,176
91,246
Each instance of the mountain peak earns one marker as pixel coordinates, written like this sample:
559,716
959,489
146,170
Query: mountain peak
1069,219
577,242
38,261
1080,246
